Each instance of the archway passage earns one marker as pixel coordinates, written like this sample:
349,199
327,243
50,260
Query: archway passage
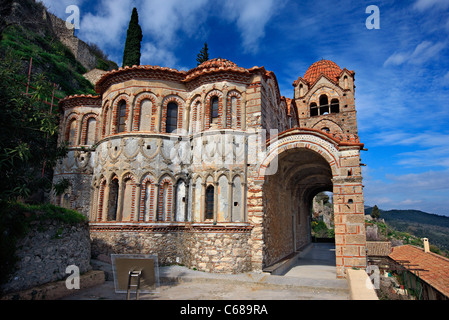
300,164
288,196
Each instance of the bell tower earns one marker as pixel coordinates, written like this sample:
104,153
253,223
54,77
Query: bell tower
325,99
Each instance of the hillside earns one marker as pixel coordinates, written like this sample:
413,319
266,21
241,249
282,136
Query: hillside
418,223
32,32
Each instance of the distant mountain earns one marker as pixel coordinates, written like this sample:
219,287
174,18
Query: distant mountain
418,223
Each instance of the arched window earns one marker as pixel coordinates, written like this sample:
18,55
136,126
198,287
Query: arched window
128,191
113,200
172,117
237,204
146,107
71,136
91,129
106,126
327,130
214,109
181,201
313,109
335,106
121,123
324,105
210,191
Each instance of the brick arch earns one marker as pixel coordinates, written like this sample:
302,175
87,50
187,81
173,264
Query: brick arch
129,175
137,110
208,107
117,100
105,114
85,121
288,141
229,116
180,102
314,96
327,123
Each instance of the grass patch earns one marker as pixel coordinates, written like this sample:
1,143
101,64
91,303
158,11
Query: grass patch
15,222
50,57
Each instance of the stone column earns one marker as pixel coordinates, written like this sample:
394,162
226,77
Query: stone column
349,214
105,209
230,201
255,218
137,207
203,201
121,187
224,116
186,203
215,202
156,209
243,111
186,122
159,115
130,124
79,132
243,204
93,203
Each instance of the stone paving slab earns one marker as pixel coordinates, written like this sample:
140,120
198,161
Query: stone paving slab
313,277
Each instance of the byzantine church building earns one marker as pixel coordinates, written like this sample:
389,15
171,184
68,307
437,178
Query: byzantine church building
212,167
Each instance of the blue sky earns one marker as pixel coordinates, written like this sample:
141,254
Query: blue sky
402,69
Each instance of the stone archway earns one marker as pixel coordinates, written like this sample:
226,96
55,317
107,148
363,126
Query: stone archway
299,164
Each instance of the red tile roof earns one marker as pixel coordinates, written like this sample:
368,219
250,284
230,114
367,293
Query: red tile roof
323,67
213,66
437,274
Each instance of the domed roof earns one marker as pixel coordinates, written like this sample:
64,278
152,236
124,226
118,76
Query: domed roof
212,66
326,67
216,63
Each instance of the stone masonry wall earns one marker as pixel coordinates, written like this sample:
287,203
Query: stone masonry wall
79,48
219,252
45,253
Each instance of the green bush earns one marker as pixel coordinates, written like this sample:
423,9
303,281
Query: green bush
15,220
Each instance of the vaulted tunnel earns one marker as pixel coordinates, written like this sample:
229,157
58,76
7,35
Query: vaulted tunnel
288,195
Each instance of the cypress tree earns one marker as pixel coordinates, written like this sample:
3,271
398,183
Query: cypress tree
375,213
203,56
131,55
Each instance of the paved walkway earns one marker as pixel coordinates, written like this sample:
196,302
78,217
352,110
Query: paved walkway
312,278
318,263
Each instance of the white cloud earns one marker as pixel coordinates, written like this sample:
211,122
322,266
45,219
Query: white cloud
446,79
426,191
423,139
169,17
162,20
107,27
422,5
427,149
153,55
424,52
58,7
251,17
162,23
